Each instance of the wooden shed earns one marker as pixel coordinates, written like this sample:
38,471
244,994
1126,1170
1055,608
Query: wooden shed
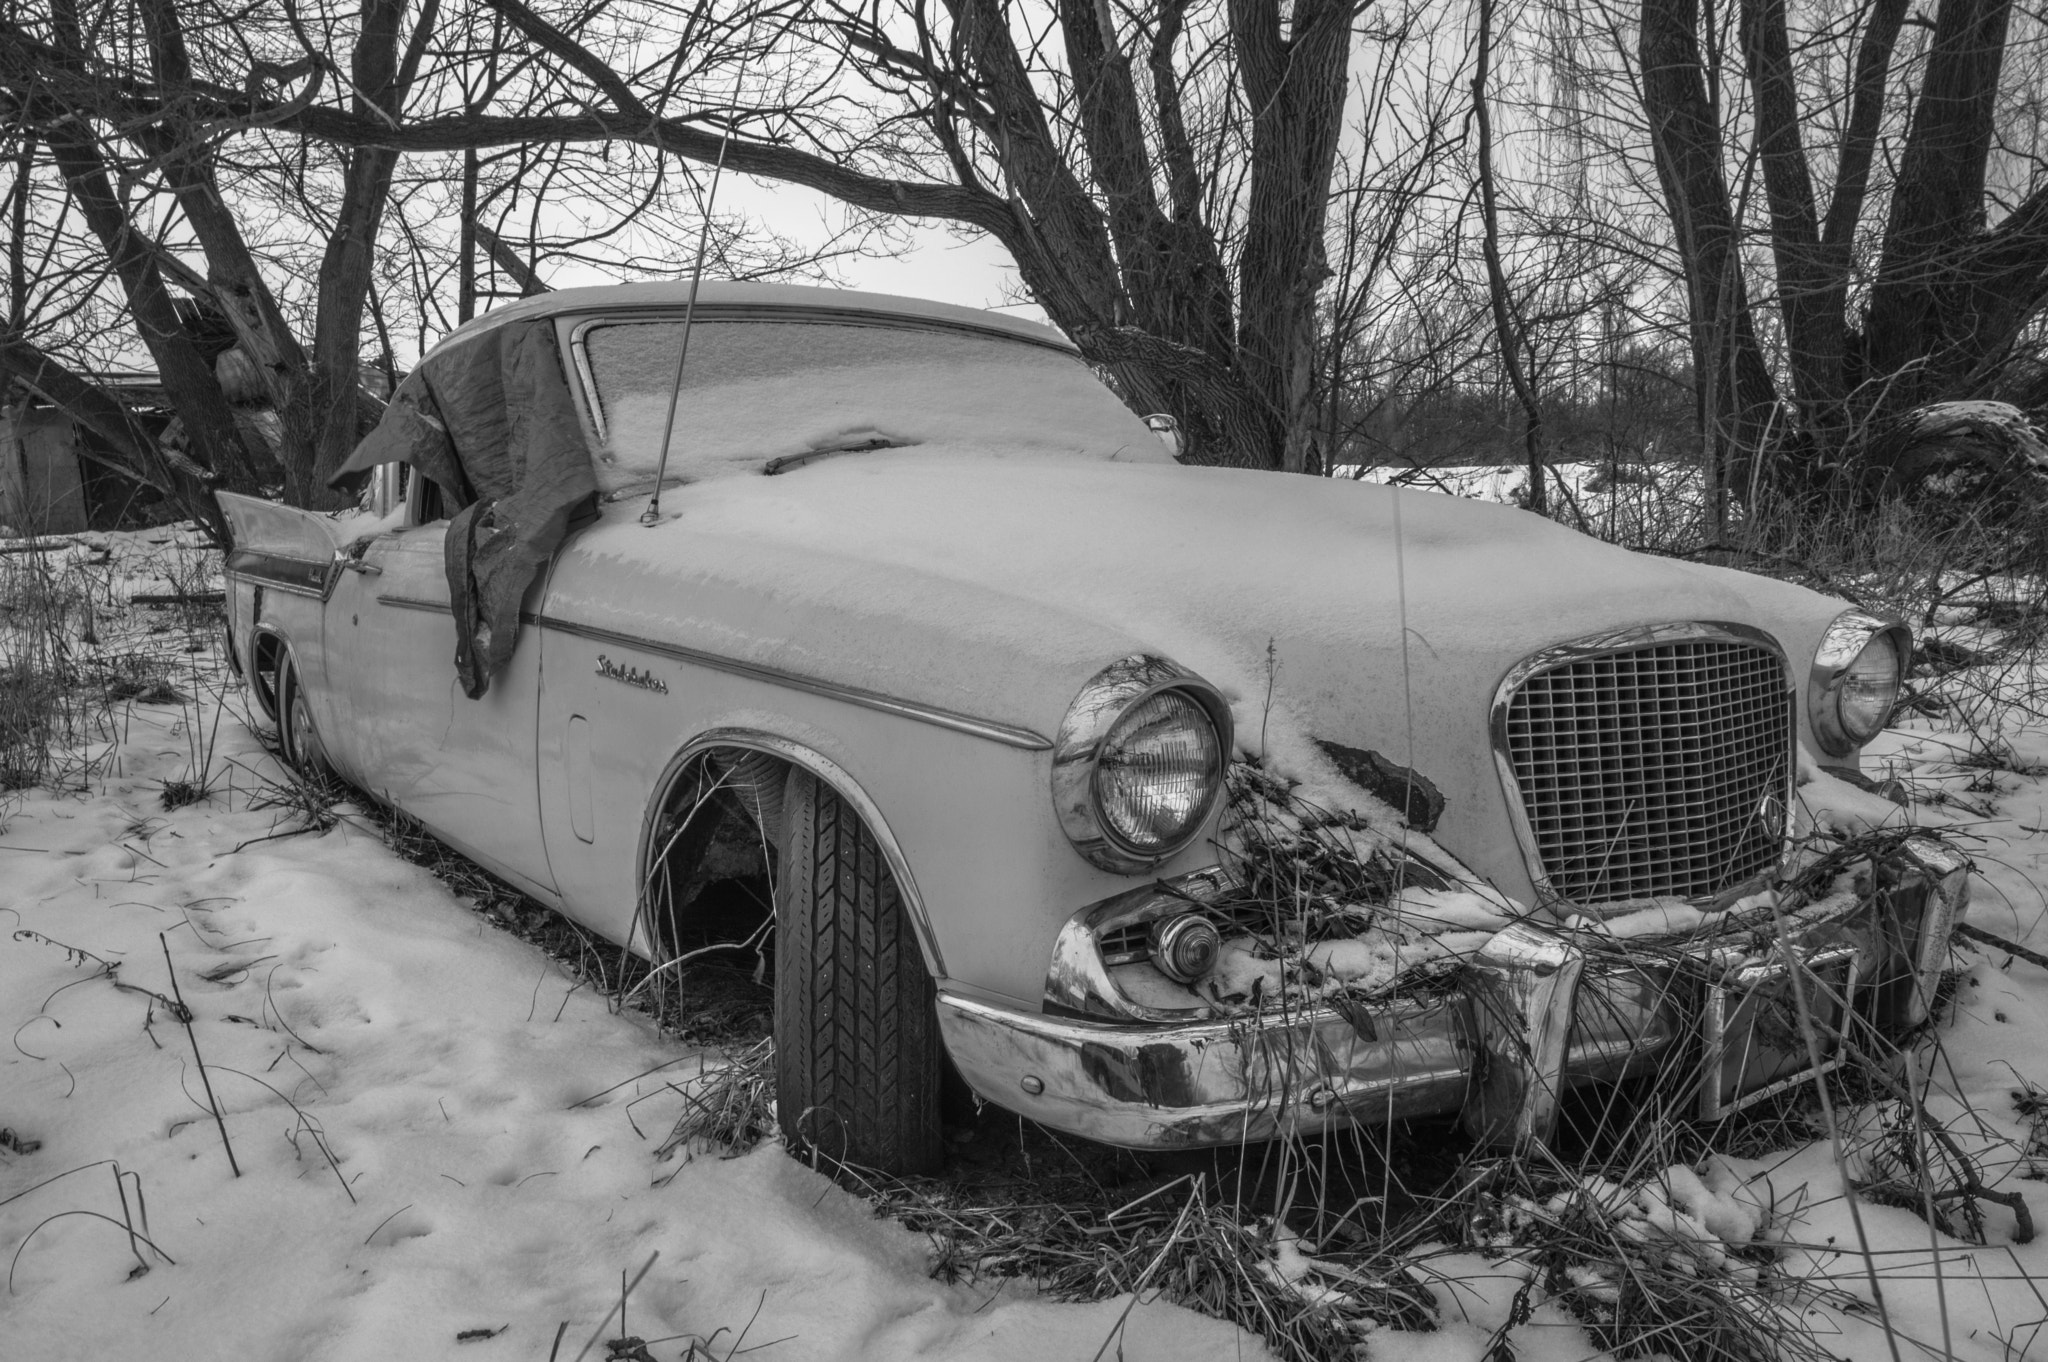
50,483
42,488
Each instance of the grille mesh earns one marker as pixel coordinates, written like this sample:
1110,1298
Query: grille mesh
1658,770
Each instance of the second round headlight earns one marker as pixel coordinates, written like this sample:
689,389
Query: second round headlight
1868,690
1858,674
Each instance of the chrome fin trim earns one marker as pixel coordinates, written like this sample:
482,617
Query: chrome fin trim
281,572
1009,735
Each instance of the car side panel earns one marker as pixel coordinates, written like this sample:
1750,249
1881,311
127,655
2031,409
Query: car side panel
993,876
463,767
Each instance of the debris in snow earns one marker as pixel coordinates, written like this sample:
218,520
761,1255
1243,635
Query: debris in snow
1329,904
1835,806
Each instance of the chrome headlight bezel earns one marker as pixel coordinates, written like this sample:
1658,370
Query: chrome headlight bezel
1109,695
1845,639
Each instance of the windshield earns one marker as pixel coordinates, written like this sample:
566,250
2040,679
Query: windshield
755,392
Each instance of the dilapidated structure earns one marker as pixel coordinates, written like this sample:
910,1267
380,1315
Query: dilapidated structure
51,481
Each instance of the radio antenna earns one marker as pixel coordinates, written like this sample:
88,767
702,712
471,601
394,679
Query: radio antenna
652,515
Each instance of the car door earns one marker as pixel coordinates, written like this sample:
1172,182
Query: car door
611,717
465,768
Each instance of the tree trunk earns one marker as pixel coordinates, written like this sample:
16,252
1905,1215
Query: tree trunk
1813,280
1924,334
1295,86
1507,331
380,78
1736,395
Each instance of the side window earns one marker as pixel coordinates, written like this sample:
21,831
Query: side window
424,502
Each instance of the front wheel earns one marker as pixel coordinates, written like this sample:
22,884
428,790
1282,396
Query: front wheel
858,1057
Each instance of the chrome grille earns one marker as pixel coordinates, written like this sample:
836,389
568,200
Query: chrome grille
1660,769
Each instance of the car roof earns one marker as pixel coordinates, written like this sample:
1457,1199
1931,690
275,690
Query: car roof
721,300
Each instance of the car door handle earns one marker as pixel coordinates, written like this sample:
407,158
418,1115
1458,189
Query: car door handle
367,569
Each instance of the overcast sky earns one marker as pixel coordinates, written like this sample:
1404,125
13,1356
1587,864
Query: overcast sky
944,265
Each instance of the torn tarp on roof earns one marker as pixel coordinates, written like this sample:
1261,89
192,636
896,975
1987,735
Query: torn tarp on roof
490,422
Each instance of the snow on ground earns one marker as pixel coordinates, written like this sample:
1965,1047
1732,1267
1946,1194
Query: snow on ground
441,1062
347,1005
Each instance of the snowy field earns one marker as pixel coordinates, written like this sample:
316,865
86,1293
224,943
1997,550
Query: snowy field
446,1146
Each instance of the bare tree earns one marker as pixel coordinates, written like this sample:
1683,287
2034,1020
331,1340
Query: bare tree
1960,261
1161,173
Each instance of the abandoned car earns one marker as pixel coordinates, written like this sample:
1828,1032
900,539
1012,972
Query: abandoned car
1168,806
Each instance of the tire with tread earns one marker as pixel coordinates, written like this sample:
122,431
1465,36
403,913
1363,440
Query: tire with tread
858,1056
295,732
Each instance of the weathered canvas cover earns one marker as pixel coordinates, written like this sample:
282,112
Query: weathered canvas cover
490,421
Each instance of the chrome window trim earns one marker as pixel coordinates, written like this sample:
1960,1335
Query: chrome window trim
1107,697
1846,636
825,769
579,354
387,488
1009,735
412,603
254,566
1595,645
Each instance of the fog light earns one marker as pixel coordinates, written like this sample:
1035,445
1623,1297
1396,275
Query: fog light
1185,948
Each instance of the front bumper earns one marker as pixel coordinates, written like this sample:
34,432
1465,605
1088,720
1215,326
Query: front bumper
1533,1014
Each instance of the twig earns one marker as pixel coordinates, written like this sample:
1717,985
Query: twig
185,1016
624,1081
309,1125
598,1332
59,1216
2010,947
385,1221
126,1219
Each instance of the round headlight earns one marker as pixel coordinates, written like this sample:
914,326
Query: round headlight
1868,691
1858,672
1157,769
1138,764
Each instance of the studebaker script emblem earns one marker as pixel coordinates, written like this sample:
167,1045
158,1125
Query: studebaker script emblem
631,676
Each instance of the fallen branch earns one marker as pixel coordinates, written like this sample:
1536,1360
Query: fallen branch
179,598
185,1016
1978,934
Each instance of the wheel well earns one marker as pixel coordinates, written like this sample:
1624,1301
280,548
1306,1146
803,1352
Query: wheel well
709,873
267,676
769,752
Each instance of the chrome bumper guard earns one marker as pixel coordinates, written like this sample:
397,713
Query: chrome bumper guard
1534,1014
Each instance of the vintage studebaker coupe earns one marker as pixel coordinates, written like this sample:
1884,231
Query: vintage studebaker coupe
1164,805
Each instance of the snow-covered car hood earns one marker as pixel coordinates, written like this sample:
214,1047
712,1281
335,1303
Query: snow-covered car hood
995,585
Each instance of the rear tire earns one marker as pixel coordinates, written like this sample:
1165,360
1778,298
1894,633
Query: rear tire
296,734
858,1057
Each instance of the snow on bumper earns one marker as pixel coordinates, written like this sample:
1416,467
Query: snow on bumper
1535,1013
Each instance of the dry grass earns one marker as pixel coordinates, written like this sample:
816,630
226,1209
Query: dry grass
727,1110
75,657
